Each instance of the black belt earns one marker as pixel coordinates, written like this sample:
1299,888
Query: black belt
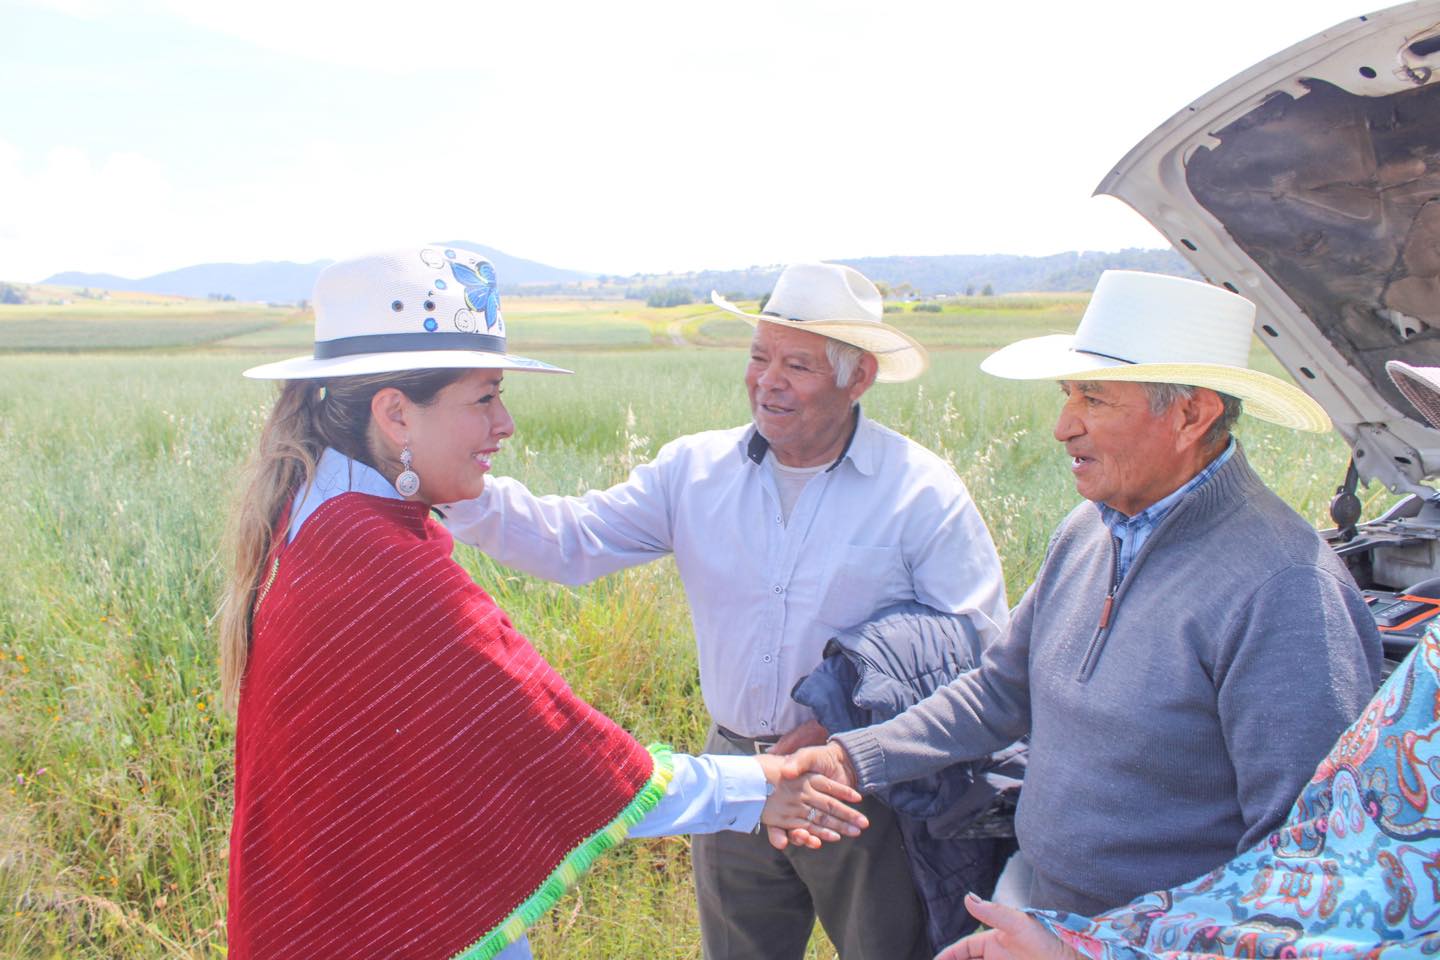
747,744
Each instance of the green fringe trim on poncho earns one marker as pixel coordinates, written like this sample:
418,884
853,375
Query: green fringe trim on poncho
568,873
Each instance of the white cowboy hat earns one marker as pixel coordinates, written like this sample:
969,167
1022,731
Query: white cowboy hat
1421,386
416,308
838,302
1150,328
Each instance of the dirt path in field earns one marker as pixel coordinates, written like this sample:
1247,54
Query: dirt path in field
677,337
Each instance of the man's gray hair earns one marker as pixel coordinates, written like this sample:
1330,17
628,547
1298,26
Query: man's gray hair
844,358
1163,395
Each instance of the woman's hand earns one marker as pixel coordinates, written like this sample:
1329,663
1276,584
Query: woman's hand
810,805
1013,935
830,761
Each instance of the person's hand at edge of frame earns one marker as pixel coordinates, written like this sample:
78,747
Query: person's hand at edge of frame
1012,935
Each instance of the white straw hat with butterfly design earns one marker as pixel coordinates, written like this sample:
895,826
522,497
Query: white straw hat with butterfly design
415,308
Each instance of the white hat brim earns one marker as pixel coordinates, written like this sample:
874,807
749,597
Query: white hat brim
360,364
1265,397
898,356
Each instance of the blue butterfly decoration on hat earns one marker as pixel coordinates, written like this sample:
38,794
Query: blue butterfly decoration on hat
481,292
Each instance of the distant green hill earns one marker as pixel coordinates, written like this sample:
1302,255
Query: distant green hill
286,282
1061,272
267,282
934,275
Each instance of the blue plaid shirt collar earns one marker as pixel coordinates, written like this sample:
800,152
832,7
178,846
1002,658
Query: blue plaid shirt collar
1130,533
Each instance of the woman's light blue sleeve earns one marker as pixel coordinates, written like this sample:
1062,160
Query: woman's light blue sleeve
519,950
708,794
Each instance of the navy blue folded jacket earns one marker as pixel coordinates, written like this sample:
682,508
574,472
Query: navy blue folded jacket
958,823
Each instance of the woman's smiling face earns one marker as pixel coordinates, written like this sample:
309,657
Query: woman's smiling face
452,439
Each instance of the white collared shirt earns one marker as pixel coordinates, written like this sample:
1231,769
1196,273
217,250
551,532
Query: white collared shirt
335,474
890,522
790,482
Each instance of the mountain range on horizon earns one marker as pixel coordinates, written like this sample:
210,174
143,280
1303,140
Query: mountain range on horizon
283,281
288,282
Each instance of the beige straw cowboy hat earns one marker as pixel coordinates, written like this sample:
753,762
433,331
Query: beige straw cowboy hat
838,302
1151,328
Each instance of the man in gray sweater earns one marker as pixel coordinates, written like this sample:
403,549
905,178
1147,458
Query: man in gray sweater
1190,648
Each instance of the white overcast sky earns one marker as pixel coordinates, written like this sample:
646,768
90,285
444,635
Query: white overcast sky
621,137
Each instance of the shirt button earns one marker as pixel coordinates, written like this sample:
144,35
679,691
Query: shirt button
779,589
779,518
765,659
764,723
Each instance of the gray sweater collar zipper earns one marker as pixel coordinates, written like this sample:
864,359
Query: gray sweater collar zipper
1097,642
1237,468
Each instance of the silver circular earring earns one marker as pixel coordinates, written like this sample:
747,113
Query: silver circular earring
408,483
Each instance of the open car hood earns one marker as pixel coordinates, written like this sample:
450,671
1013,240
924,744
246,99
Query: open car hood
1310,184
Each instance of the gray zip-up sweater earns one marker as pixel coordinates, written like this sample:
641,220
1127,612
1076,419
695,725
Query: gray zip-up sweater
1177,730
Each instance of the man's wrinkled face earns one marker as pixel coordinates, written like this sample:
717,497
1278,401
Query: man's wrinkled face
793,397
1123,455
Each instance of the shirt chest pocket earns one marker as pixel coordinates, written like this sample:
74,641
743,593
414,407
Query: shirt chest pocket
864,580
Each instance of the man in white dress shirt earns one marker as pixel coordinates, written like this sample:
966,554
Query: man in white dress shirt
786,532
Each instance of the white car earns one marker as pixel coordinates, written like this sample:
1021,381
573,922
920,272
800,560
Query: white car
1310,184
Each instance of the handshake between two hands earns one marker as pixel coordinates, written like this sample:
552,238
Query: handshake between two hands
813,786
814,782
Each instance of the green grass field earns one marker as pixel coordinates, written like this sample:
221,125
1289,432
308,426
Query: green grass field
118,462
83,328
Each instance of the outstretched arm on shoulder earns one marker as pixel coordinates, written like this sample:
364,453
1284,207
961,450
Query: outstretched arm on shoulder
567,539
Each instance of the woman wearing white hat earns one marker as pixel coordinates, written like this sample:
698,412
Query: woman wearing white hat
411,778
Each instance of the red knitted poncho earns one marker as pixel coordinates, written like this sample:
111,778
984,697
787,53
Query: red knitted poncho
411,778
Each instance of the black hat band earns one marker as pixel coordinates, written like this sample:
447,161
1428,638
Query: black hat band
407,343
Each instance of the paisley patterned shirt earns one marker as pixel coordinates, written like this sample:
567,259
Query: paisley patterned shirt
1353,871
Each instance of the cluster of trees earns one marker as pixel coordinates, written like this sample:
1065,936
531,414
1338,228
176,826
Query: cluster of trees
908,278
907,291
662,296
9,293
221,297
900,278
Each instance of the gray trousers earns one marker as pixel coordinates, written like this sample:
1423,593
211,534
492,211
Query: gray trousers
759,902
